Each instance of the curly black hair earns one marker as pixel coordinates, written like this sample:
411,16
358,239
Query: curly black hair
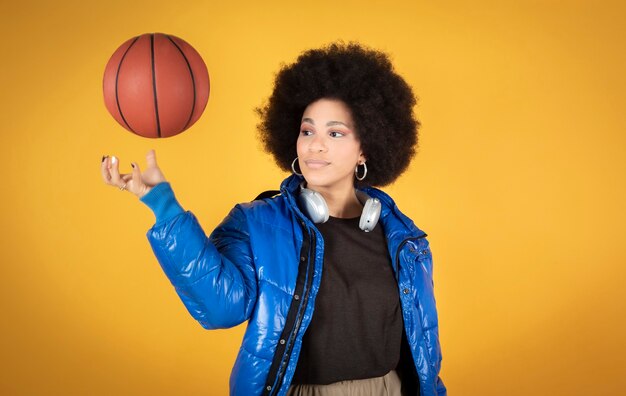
380,100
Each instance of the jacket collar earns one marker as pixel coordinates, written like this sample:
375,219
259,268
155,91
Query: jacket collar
397,226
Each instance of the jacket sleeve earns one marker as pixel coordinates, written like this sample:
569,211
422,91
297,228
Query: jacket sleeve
425,259
441,388
214,277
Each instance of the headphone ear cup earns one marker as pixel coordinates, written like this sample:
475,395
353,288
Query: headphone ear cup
313,205
370,214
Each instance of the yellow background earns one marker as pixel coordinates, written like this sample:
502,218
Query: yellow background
519,183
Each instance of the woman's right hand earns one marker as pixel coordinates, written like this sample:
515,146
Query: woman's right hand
136,182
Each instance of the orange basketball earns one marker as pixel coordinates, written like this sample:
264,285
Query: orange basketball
156,85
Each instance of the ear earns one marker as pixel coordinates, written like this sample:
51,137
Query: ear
362,158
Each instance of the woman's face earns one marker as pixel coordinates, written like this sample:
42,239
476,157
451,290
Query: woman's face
328,146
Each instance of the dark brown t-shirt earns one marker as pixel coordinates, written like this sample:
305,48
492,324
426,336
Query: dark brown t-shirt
356,329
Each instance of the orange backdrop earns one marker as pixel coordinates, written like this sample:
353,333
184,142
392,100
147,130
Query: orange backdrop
519,183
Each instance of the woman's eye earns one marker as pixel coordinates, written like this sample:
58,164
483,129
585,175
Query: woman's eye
336,134
306,132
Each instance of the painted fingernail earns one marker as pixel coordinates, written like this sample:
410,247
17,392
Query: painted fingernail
104,157
113,159
133,165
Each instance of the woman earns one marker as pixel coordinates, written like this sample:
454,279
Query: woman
334,281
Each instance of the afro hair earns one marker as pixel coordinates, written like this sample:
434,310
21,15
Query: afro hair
380,100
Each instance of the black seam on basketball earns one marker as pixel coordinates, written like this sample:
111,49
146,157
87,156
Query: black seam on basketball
117,75
154,88
193,82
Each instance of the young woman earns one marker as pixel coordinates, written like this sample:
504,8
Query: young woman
334,281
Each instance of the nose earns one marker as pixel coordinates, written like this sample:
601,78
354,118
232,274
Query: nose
317,144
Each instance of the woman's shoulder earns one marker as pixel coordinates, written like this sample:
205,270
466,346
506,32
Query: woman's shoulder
273,209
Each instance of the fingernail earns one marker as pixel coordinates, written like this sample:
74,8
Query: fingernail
113,159
104,157
133,165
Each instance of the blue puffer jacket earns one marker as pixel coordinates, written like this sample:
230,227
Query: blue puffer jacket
264,264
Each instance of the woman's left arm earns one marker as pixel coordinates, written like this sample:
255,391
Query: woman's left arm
441,388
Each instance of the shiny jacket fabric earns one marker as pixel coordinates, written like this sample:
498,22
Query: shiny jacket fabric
264,264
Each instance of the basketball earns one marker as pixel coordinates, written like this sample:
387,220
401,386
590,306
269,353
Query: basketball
156,85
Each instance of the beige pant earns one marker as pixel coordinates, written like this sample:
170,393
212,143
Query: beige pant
387,385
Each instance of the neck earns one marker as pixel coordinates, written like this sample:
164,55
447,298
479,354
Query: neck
342,203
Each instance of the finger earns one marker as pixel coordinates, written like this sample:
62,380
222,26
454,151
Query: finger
136,177
104,169
151,159
114,168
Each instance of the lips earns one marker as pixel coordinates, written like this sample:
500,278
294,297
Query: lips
315,163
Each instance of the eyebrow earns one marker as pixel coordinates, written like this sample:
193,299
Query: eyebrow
329,123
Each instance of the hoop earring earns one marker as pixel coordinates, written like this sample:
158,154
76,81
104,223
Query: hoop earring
293,167
356,172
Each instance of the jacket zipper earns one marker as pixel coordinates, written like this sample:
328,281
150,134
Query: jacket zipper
296,328
294,333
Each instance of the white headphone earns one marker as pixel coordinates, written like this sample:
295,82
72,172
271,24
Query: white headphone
313,205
